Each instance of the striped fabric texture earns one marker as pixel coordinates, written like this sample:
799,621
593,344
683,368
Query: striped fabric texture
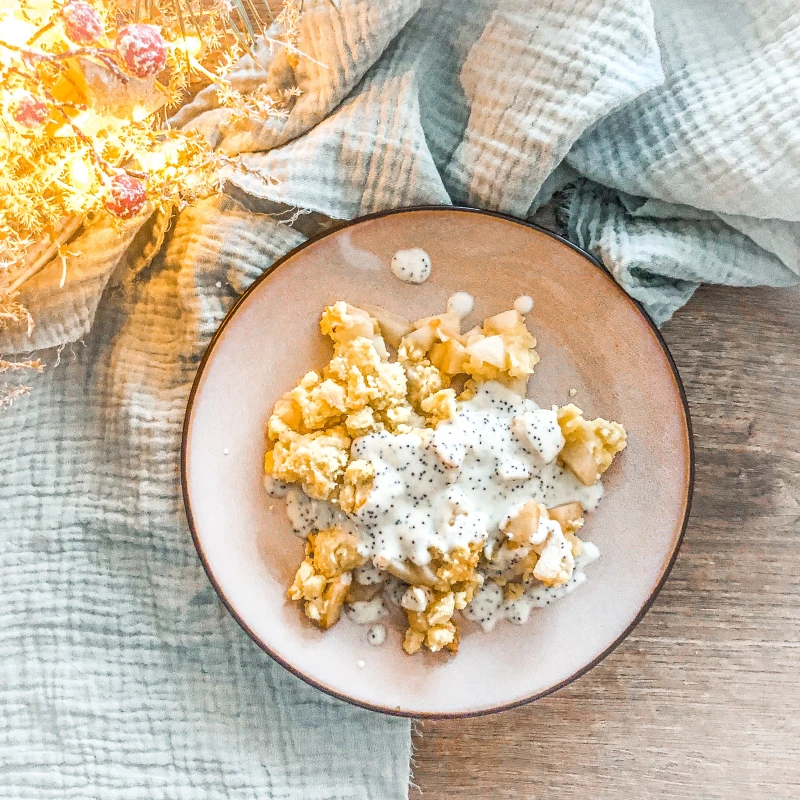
665,136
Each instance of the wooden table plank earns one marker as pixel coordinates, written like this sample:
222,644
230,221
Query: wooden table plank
703,699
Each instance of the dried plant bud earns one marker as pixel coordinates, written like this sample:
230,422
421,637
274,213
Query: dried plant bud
126,196
29,111
82,23
142,49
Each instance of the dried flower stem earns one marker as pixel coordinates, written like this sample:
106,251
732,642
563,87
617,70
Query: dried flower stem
8,394
65,233
15,366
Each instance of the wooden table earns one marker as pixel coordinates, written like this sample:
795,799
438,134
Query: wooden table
702,701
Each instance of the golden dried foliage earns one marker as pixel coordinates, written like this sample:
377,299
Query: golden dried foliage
86,87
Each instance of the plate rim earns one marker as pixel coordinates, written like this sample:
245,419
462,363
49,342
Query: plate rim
397,712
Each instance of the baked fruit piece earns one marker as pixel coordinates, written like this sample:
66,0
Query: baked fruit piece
324,577
590,444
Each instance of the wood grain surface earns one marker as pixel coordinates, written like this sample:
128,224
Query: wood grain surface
703,699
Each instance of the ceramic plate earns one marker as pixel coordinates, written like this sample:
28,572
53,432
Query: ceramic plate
592,337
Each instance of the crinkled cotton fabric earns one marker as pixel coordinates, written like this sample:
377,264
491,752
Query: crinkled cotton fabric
666,138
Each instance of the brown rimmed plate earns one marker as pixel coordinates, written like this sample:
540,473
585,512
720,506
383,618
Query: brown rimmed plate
592,338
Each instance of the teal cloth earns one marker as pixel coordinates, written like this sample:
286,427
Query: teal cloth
670,137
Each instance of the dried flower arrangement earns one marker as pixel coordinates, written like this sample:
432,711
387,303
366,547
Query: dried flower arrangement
86,87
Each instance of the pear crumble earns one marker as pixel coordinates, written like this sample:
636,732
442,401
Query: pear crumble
426,481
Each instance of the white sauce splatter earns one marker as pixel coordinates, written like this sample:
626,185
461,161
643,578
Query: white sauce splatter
411,266
376,635
461,303
415,598
365,612
274,487
524,304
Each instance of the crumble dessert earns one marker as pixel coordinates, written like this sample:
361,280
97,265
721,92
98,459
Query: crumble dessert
428,481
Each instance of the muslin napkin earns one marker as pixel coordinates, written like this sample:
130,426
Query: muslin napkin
665,137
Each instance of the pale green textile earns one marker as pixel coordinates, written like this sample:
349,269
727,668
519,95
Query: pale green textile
673,142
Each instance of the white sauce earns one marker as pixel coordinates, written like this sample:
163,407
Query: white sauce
524,304
458,486
376,635
539,433
365,612
488,606
461,303
274,487
449,489
393,590
309,516
367,575
411,266
415,598
453,486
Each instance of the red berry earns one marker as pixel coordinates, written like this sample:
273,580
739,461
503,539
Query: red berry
142,49
30,111
82,23
126,196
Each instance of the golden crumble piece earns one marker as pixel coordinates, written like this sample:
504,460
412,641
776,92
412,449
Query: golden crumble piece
437,635
513,591
413,641
590,444
307,585
439,406
362,422
324,578
442,636
459,566
322,598
286,420
316,460
321,402
334,552
422,378
401,419
447,585
356,486
343,322
367,379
